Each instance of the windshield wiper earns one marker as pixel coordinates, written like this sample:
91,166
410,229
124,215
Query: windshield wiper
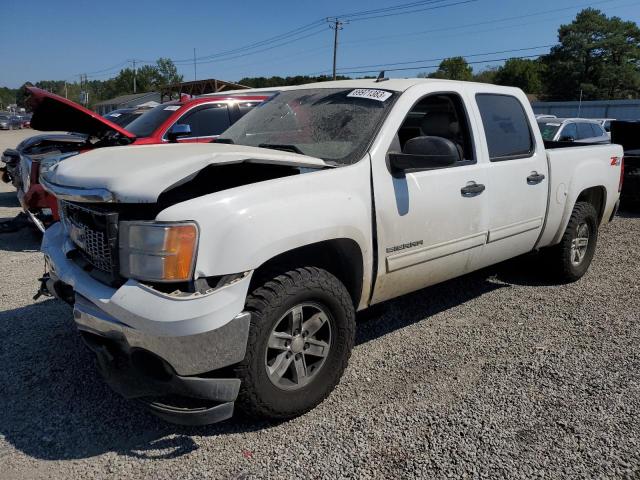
283,147
222,140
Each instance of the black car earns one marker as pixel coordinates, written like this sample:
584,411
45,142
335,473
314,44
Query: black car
627,134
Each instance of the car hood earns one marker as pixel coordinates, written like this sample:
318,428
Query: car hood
54,113
140,173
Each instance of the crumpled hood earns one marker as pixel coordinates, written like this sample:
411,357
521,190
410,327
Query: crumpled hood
54,113
140,173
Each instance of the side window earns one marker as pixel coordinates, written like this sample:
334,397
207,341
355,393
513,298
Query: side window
207,121
570,131
506,127
246,108
598,131
607,126
585,131
438,115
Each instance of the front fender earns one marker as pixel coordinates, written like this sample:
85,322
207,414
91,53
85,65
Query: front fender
242,228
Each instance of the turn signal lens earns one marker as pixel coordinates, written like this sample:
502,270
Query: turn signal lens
161,252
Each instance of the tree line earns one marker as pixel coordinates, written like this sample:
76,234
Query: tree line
597,57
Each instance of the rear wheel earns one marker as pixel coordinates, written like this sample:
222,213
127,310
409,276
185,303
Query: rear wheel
300,339
572,256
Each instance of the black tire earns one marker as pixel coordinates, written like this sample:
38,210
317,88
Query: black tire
269,304
562,258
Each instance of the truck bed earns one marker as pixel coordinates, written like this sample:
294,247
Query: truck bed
596,166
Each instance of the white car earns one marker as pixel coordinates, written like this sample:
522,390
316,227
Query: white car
208,274
579,130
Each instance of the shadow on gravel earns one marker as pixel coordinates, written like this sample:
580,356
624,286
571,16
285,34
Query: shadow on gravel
9,199
55,406
27,239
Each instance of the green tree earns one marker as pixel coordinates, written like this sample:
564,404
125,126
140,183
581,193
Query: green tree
486,76
454,68
597,55
522,73
166,73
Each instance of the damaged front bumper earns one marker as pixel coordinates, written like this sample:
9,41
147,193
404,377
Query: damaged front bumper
154,347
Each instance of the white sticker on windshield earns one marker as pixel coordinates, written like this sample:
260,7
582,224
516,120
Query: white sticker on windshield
172,107
115,115
370,93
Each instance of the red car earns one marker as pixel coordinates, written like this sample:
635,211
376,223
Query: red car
200,119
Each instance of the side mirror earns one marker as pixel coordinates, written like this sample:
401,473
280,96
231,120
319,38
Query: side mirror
178,130
425,153
567,138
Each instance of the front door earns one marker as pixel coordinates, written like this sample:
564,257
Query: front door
431,224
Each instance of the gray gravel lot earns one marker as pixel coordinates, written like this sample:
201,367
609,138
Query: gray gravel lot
498,374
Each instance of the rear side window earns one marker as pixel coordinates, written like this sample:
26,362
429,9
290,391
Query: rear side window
569,133
585,131
207,121
506,127
246,107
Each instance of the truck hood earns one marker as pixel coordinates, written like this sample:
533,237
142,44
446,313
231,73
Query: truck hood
54,113
140,173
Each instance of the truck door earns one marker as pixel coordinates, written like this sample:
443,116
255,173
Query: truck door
431,223
517,189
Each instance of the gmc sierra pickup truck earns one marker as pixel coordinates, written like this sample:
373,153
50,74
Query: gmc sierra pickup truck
208,275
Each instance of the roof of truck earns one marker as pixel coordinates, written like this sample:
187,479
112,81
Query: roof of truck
394,84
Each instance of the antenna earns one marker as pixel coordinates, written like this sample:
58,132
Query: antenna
381,77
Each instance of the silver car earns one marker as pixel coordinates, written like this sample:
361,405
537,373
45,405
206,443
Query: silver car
580,130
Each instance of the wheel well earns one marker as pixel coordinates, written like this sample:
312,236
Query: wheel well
341,257
595,196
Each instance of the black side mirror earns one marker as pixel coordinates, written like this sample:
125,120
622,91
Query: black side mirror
177,131
425,153
567,138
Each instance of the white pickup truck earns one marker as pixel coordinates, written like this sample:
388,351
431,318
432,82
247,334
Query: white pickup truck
205,275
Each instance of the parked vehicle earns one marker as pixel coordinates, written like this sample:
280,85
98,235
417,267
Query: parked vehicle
26,120
627,134
606,124
206,274
195,120
579,130
124,116
10,122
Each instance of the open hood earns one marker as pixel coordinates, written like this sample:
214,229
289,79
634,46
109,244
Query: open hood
54,113
140,174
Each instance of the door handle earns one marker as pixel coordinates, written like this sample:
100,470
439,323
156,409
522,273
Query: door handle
535,178
472,190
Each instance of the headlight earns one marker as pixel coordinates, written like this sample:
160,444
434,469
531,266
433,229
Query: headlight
158,252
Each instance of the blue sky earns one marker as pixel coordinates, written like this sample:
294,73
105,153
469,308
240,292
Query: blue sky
46,39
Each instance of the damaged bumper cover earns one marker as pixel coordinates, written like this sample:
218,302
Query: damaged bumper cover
155,347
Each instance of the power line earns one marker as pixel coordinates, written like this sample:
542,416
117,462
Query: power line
462,2
384,65
424,67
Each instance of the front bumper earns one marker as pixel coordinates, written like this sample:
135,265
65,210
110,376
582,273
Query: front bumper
153,346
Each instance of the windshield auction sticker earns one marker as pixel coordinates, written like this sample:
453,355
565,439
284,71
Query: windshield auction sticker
172,107
370,93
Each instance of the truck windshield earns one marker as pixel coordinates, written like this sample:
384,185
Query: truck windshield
148,122
548,128
333,124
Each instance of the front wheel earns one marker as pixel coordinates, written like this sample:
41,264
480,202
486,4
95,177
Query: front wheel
572,256
300,339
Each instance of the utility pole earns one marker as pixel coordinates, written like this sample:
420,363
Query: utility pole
134,76
336,24
195,75
66,93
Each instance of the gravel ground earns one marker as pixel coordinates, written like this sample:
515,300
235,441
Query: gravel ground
497,374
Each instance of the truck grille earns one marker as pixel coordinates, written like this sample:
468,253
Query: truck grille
95,233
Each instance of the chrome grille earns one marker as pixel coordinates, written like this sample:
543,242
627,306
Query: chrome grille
94,232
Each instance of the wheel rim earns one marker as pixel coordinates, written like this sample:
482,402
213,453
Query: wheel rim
580,244
298,346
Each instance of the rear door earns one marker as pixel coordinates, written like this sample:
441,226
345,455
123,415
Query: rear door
517,188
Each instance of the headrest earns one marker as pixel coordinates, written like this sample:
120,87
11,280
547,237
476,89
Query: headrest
437,124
